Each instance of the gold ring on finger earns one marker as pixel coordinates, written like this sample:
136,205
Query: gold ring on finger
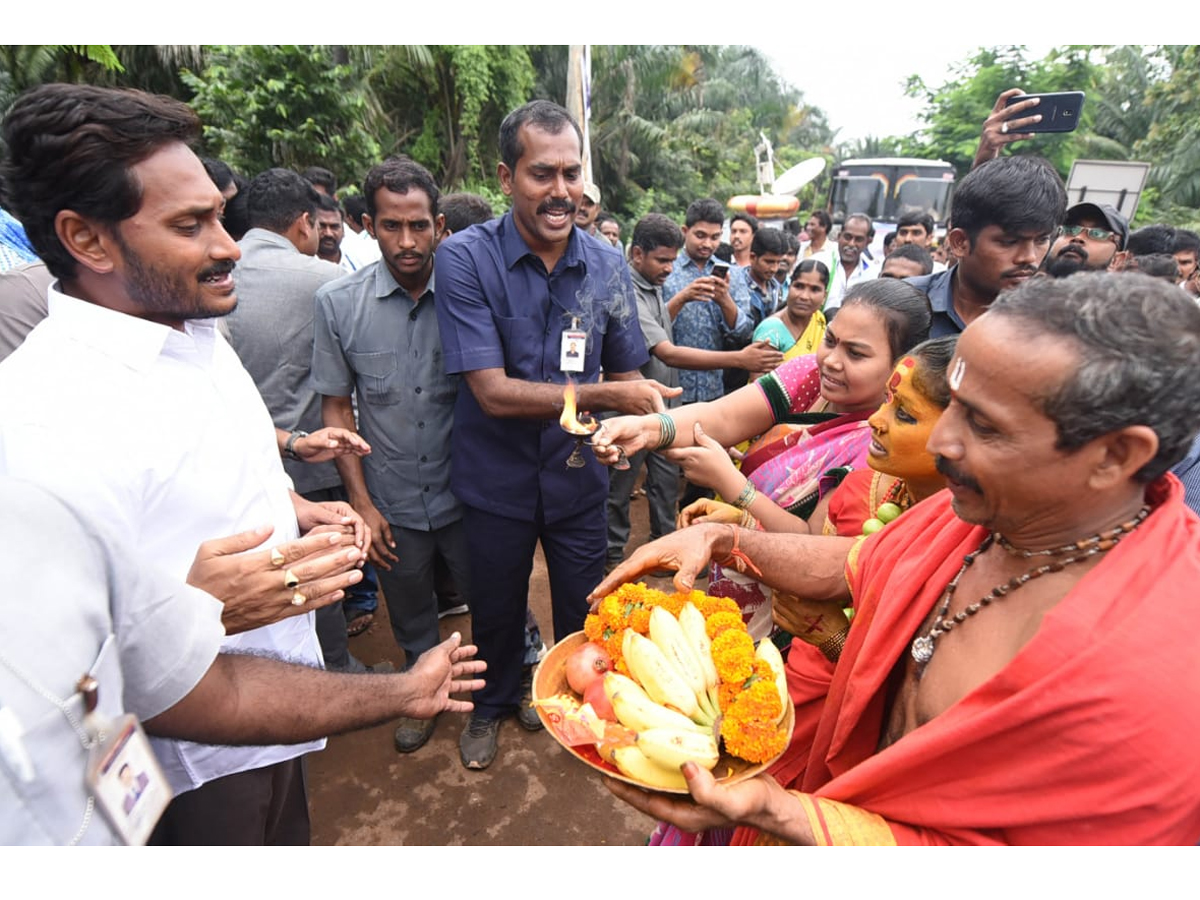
277,557
298,599
290,579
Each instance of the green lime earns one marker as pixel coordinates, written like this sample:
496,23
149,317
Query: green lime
872,525
887,512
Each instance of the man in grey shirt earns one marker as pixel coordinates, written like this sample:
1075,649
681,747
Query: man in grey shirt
376,334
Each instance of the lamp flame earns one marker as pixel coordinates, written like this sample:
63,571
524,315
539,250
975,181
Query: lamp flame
569,420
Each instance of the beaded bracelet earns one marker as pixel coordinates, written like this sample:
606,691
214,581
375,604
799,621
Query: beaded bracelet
746,497
666,427
831,648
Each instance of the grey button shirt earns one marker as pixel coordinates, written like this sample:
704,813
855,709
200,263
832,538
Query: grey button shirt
655,320
371,338
272,332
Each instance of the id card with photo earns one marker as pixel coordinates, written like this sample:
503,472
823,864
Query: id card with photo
127,781
574,349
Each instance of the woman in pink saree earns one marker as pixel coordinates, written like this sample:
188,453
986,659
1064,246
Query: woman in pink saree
811,418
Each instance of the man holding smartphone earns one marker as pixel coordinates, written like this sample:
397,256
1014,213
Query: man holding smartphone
703,312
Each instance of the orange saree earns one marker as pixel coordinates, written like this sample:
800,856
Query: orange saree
1088,736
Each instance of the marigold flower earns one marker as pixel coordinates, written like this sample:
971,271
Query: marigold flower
719,621
593,627
733,655
753,741
710,605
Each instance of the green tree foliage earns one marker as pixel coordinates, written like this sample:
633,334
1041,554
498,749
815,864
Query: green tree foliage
23,66
1172,142
442,105
671,124
291,106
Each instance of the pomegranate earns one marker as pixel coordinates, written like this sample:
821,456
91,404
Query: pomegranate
585,665
600,703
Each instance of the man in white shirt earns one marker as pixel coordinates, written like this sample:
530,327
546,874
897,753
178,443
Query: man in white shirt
852,267
127,401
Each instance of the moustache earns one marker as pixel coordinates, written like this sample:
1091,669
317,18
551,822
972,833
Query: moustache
217,270
1075,250
553,206
948,470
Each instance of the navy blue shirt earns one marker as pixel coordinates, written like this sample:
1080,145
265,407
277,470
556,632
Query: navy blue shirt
937,287
499,308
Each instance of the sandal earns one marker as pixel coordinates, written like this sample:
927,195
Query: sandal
359,624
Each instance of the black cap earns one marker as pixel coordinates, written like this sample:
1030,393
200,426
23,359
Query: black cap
1117,223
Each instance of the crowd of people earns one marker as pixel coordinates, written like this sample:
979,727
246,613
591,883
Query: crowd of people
235,410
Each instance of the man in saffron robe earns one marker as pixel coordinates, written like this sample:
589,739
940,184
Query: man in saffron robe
1019,669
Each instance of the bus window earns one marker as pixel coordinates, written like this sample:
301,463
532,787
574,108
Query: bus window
858,195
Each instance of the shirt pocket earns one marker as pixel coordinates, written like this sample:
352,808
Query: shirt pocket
523,340
376,373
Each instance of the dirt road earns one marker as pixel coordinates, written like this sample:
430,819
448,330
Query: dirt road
362,792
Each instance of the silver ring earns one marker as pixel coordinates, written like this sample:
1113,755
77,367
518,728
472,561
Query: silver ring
1004,128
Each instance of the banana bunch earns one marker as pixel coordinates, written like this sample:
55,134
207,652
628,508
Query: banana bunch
671,702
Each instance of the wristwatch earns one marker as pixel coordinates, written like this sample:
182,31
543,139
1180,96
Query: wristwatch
289,448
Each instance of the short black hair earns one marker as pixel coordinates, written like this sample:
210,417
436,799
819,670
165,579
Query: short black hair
219,172
400,175
355,205
328,204
888,240
916,253
655,230
823,217
1019,194
73,146
462,210
321,178
540,114
769,240
1186,241
708,211
916,217
745,217
1156,238
278,197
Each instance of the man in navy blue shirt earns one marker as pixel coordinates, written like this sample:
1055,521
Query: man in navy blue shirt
513,294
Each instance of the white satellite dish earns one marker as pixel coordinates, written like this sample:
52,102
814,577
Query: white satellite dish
791,181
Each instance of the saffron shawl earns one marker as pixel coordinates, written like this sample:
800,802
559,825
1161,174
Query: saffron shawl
1088,736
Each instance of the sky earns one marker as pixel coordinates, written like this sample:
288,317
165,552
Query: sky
868,100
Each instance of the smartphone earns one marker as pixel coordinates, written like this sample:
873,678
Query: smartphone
1059,112
720,269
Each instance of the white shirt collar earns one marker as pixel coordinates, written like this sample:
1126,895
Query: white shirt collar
128,339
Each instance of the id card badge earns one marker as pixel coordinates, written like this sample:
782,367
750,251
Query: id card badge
125,778
574,348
